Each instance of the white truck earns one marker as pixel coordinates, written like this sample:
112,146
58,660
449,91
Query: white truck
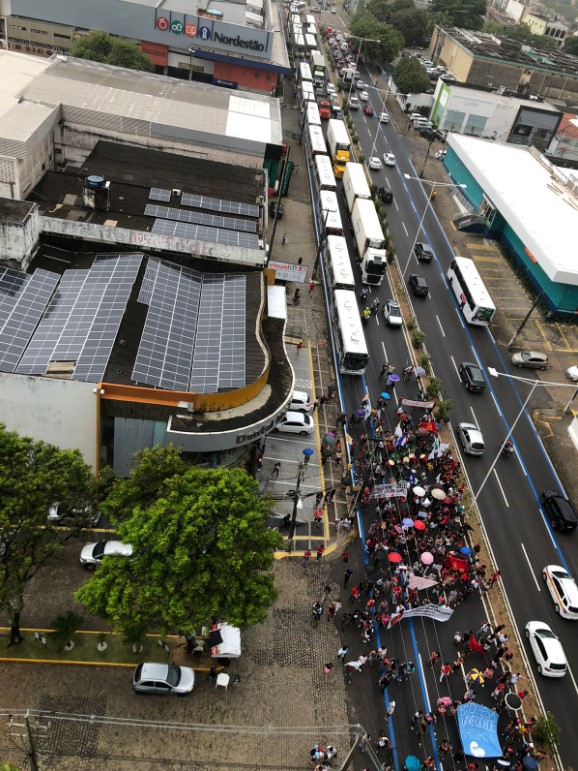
369,241
355,184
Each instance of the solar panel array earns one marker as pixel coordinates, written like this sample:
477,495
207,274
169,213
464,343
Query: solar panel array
160,194
199,218
194,334
218,204
204,233
23,300
83,318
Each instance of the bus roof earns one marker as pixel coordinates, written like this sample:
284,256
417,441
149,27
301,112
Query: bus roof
330,210
469,271
313,118
317,140
325,173
349,318
340,262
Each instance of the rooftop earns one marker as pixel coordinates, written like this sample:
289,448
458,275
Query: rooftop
527,193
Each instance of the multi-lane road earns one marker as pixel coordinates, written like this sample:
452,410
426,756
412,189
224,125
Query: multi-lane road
520,537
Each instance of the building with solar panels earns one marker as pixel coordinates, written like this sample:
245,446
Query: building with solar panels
133,300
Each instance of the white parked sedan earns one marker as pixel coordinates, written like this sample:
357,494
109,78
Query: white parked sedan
296,423
547,649
572,373
93,553
563,590
375,164
151,677
389,159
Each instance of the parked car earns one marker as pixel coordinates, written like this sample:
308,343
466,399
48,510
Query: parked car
63,514
423,251
389,159
383,117
472,377
559,510
547,649
151,677
295,423
441,135
418,285
300,402
392,313
425,132
92,553
563,591
572,373
374,163
440,154
531,360
471,438
368,110
385,194
276,208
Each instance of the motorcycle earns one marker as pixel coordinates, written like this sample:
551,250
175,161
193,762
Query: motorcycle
507,449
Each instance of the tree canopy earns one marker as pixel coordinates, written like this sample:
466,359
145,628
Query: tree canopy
412,22
410,77
468,14
108,49
34,476
571,46
202,551
389,40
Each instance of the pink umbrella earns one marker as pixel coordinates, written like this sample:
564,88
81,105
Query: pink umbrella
444,701
393,556
419,524
427,557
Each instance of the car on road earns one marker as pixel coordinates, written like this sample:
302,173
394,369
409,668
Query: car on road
547,649
360,85
353,103
368,110
563,590
572,373
276,209
559,510
62,514
392,313
385,194
423,251
92,553
331,88
389,159
383,117
295,423
156,678
300,402
418,285
531,359
472,377
471,438
374,163
364,96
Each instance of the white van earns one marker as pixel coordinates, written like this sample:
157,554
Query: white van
563,590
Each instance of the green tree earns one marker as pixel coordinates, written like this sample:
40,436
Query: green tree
547,732
411,78
570,46
202,551
108,49
413,23
33,477
389,42
468,14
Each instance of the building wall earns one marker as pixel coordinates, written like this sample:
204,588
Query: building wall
515,10
19,240
246,77
61,412
456,59
536,23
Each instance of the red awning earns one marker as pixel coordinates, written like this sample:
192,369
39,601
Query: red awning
157,53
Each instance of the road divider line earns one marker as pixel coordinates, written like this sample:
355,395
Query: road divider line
404,227
455,366
545,519
474,416
497,405
440,326
530,566
501,488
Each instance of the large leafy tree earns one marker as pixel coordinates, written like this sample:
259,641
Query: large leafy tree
202,551
33,477
459,13
388,41
108,49
412,22
570,46
410,77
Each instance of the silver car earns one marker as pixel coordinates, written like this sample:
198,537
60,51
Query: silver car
530,359
151,677
471,438
92,554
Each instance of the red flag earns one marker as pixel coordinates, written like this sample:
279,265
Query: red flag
475,646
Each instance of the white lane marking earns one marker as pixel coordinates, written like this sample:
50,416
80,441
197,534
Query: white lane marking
377,319
404,227
455,366
496,403
501,488
396,206
428,703
440,326
530,566
474,415
573,680
384,351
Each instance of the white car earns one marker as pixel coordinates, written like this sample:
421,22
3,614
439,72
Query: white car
389,159
471,438
331,88
375,164
360,85
92,553
151,677
563,590
364,96
572,373
295,423
300,402
547,649
392,313
383,117
353,103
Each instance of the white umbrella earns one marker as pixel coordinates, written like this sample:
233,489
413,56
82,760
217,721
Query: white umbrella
438,494
419,491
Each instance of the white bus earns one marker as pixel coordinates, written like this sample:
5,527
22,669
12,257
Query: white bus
331,224
338,270
324,173
310,19
316,140
299,45
312,114
310,44
307,93
305,75
349,338
473,297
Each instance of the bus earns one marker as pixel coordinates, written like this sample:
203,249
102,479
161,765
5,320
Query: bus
324,173
299,43
471,293
310,19
312,114
310,44
307,93
331,224
305,75
316,141
352,356
338,270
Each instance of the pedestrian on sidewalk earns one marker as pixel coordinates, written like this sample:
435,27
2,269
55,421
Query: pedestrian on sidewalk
299,345
275,472
284,239
306,557
342,653
346,577
318,517
327,670
319,552
311,286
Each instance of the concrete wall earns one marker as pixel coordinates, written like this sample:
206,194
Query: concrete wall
60,412
18,240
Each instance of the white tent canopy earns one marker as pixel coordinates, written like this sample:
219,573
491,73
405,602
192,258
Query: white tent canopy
225,641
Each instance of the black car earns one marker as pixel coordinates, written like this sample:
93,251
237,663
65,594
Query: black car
472,377
418,285
426,133
423,251
274,209
559,510
386,194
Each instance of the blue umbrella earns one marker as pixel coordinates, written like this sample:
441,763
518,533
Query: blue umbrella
465,550
407,522
308,452
412,763
385,395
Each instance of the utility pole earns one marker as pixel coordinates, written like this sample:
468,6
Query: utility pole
296,502
526,317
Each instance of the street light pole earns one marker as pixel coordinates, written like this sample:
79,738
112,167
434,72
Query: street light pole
362,40
296,506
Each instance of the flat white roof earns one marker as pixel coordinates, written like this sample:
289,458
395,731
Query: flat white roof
19,119
529,194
